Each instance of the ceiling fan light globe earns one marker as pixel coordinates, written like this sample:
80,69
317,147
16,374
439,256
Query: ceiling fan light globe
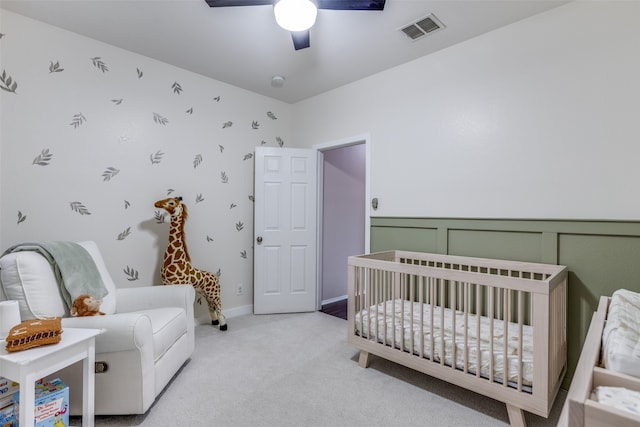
295,15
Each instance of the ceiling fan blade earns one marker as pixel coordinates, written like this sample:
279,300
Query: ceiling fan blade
300,39
226,3
351,4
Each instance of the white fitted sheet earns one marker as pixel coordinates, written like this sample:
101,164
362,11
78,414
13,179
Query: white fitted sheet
619,398
621,334
399,318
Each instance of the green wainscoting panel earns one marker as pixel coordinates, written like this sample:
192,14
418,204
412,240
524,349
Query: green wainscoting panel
602,256
408,239
508,245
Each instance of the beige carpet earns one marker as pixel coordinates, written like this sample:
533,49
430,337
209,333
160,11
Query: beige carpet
298,370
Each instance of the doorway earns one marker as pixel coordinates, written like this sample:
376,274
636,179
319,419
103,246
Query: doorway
343,218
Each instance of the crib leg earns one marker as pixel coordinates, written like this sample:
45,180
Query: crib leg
516,416
364,359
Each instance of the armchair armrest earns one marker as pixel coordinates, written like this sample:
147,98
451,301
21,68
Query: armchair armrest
122,332
146,297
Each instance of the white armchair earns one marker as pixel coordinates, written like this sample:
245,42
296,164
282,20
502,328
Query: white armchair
149,331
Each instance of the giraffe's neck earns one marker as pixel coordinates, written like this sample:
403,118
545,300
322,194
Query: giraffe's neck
177,248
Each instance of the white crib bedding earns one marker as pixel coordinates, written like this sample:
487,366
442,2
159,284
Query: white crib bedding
621,334
398,318
619,398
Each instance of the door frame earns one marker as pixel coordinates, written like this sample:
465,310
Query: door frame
320,148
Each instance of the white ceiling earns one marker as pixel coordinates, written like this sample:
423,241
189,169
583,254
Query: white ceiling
243,46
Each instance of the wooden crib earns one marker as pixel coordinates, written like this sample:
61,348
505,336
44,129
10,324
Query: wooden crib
492,326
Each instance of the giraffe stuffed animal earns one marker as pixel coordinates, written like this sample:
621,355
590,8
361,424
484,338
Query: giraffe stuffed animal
177,269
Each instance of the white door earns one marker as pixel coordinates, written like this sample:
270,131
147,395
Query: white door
285,228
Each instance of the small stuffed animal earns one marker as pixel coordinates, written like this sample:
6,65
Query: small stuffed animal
86,305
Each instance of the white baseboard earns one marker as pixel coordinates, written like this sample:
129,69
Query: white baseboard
230,313
336,299
201,313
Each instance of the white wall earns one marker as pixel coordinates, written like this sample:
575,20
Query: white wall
534,120
120,132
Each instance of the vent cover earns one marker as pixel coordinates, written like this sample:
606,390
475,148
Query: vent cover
422,27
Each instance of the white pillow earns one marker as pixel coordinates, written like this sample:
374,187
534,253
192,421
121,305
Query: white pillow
28,278
108,305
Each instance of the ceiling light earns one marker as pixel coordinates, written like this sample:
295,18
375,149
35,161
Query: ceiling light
295,15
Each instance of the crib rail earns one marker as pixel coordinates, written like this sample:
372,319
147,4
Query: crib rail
501,324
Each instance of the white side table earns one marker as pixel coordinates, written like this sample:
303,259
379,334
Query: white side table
28,366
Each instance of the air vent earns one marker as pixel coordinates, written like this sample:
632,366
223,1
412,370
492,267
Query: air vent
422,27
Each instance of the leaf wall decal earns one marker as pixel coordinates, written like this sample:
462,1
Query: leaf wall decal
217,99
159,216
55,68
80,208
233,205
197,160
8,83
157,157
117,101
253,199
189,111
248,156
199,198
176,88
127,204
131,273
227,125
109,173
159,119
140,73
78,119
280,141
224,178
239,225
271,115
243,254
209,239
99,64
21,217
255,125
43,158
124,234
221,147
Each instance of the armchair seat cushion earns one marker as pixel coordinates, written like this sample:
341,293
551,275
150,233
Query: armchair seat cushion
167,326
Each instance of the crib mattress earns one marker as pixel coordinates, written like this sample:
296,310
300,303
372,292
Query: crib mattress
399,313
621,334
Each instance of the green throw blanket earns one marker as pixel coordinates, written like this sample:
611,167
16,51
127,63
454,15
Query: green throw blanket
73,266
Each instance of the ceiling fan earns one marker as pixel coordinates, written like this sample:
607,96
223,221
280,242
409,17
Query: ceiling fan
300,34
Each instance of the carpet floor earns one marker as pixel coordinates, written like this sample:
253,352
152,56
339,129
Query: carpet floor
298,370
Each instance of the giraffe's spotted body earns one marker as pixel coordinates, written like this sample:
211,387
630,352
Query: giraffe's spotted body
177,269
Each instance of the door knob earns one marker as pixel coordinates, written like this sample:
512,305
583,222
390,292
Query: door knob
259,239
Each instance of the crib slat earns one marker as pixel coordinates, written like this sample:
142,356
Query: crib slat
421,300
442,305
491,332
505,338
466,328
478,322
454,302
